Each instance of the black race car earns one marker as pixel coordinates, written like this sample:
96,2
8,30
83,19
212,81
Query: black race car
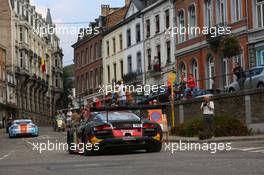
114,130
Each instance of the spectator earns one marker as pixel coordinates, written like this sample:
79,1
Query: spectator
240,75
75,118
207,108
129,97
182,84
156,64
191,86
122,95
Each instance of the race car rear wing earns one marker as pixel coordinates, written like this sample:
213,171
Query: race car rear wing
126,108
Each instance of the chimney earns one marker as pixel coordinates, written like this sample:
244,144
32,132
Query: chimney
127,2
105,10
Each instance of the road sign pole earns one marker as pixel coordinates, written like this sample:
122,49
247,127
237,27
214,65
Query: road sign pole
172,107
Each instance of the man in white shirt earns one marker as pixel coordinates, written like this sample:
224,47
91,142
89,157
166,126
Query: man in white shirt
207,108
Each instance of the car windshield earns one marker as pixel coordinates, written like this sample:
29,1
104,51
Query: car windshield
256,71
118,116
22,121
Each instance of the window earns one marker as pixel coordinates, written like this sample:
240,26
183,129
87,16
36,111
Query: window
107,48
138,34
87,81
91,53
237,10
108,74
183,69
139,62
168,52
122,68
239,59
100,49
260,13
149,58
129,64
56,62
181,25
121,41
195,69
260,58
128,38
87,55
167,16
221,11
115,72
56,81
225,71
21,59
148,28
96,78
95,51
82,58
21,35
157,23
210,72
114,45
91,79
101,75
192,21
208,13
158,53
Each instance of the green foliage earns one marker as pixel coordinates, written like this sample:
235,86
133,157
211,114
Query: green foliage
222,126
231,46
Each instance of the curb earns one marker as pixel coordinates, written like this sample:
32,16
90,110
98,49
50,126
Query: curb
216,140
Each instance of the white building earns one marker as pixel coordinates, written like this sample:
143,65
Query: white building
134,43
158,18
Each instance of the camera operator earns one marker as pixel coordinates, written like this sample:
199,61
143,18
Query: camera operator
207,108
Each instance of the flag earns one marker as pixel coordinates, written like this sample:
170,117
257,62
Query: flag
43,65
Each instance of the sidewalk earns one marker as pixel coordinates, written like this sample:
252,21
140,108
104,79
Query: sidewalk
218,139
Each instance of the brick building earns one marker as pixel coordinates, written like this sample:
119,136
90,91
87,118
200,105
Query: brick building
88,55
193,54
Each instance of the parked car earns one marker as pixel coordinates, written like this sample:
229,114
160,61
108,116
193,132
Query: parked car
23,127
254,79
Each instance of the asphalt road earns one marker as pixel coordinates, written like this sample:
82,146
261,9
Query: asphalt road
17,157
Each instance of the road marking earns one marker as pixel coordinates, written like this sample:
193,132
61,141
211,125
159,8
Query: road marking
257,151
85,165
250,149
5,156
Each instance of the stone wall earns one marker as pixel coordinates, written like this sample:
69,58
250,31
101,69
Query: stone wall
247,106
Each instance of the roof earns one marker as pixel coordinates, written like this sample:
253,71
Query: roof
115,17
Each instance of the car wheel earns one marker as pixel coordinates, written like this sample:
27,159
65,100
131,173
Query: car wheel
260,85
10,136
86,151
154,148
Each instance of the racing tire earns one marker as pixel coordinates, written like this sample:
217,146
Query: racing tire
88,152
11,137
154,148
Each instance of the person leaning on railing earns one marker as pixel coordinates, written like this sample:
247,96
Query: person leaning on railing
191,86
240,75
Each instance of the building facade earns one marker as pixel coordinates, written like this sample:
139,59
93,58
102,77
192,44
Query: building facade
193,54
256,32
158,20
34,61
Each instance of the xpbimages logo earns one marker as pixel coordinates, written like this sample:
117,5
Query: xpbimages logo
62,146
194,31
145,89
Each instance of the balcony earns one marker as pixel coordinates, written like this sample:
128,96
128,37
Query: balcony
132,77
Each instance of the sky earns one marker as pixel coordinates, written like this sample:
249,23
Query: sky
69,11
